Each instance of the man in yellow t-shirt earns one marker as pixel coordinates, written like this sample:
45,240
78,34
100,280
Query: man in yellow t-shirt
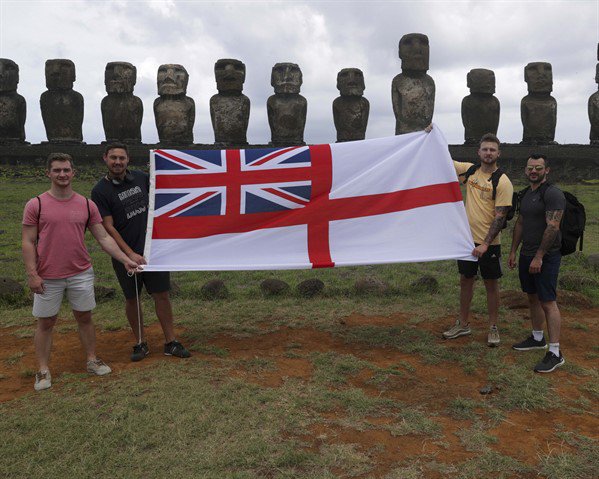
486,210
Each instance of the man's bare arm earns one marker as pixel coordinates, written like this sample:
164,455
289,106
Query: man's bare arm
552,218
28,248
497,224
516,240
110,246
517,234
108,223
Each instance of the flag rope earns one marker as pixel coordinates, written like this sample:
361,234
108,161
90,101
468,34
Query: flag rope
132,273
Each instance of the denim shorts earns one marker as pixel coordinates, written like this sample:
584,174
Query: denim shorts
543,284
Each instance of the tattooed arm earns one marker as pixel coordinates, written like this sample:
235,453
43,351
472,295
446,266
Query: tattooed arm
494,229
552,218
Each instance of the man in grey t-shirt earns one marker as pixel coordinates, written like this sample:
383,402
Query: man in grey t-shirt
537,228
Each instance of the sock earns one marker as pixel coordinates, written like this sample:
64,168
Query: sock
554,348
538,335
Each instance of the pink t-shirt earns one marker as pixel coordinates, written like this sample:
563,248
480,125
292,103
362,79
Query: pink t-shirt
61,250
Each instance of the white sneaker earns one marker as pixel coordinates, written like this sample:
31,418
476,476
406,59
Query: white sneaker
493,337
98,367
43,380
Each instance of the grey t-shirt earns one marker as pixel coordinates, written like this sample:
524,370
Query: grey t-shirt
532,210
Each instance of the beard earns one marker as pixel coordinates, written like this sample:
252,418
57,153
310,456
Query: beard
538,179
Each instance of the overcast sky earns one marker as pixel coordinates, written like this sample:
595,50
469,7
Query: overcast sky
322,38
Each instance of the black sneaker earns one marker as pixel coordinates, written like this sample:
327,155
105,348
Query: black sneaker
549,363
140,351
175,348
530,343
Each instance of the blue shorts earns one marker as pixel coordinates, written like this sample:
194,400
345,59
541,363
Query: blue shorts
543,284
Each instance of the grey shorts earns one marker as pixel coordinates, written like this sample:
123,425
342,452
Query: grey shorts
79,289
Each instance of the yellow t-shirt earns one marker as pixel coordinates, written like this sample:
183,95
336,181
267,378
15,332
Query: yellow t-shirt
480,207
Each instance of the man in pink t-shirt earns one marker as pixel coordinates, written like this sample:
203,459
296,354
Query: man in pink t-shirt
57,261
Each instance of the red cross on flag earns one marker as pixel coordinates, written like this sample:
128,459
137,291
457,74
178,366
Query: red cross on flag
385,200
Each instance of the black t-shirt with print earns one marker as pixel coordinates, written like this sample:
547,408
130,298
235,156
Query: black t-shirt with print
127,203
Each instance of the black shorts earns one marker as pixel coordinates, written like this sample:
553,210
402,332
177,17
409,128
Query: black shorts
489,264
155,282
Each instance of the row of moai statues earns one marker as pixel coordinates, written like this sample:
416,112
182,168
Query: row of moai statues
174,111
413,98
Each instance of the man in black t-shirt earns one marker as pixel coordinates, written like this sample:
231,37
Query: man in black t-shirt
537,228
122,198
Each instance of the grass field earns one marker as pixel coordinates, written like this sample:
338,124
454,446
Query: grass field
342,385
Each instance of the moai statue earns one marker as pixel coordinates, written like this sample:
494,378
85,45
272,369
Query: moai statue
480,109
13,109
122,111
62,107
594,111
286,108
351,109
174,111
230,109
413,91
538,109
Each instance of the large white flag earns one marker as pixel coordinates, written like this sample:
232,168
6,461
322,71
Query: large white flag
387,200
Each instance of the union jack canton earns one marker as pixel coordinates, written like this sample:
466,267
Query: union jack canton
194,183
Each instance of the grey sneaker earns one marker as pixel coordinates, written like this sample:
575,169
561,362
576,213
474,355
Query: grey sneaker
493,337
457,330
98,367
43,380
549,363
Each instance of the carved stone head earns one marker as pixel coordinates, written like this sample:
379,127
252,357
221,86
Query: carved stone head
597,74
539,77
60,74
230,75
480,80
120,77
286,78
172,79
350,82
414,52
9,75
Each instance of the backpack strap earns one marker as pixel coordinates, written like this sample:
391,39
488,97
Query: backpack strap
469,172
88,214
543,188
39,215
521,194
39,210
495,176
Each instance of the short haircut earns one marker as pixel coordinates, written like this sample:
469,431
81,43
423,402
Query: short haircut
490,138
113,146
539,156
52,157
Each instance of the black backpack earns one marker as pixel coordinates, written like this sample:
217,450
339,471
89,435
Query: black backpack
494,179
573,219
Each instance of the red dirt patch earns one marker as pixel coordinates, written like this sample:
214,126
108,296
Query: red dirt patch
114,347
